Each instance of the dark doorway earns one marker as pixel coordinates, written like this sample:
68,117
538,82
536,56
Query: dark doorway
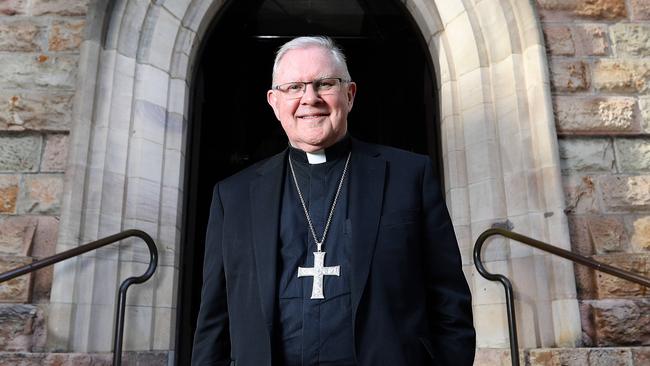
231,126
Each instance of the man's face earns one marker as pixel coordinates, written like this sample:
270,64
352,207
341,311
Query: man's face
314,121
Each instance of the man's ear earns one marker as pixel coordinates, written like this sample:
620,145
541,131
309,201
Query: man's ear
351,92
273,101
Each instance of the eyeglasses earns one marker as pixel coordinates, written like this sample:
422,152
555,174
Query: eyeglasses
324,86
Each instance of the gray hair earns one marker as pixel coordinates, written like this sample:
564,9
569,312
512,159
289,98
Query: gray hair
315,41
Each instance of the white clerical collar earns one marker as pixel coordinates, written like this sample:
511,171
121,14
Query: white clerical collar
316,157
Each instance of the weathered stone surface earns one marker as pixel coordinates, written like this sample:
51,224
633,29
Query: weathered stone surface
580,194
553,357
587,155
41,194
66,35
20,36
633,154
622,75
45,237
641,356
60,7
622,322
558,40
18,322
26,71
139,358
8,193
44,246
585,282
644,106
641,235
608,9
20,152
614,287
17,234
640,9
579,233
17,290
569,75
631,39
626,193
591,40
609,357
608,234
55,153
35,111
595,115
589,334
12,7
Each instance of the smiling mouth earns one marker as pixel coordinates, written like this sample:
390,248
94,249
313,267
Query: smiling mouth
313,116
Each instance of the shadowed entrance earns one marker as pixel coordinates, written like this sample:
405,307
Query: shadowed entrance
232,126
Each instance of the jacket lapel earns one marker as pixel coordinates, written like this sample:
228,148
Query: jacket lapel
367,175
265,194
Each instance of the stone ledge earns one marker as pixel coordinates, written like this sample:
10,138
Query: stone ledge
136,358
596,356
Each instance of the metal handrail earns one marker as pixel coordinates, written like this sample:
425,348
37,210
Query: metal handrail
577,258
121,303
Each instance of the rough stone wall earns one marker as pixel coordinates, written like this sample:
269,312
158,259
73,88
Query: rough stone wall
39,52
599,57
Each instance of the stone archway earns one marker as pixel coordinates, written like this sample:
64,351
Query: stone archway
127,146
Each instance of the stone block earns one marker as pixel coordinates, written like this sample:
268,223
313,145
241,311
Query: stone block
644,107
640,9
8,193
18,323
586,155
633,155
579,235
585,282
589,334
631,40
580,194
591,116
591,40
45,237
55,153
625,193
598,9
35,111
569,75
59,7
13,7
641,356
558,40
622,75
41,194
66,35
20,152
614,287
641,235
622,322
558,357
17,290
607,234
17,234
20,36
28,71
609,357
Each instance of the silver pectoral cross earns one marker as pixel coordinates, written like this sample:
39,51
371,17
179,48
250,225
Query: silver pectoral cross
318,271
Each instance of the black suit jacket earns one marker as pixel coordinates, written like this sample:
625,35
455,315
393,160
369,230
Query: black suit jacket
410,301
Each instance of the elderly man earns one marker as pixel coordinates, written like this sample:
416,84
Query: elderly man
335,251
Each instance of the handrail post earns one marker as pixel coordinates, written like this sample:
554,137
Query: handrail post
120,307
566,254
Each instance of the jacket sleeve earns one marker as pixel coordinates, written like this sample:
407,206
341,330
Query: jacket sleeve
212,338
449,303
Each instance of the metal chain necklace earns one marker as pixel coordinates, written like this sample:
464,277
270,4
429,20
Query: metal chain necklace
319,270
319,243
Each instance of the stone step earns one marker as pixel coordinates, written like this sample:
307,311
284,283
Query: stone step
592,356
144,358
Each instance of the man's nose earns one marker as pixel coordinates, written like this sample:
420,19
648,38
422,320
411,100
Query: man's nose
310,96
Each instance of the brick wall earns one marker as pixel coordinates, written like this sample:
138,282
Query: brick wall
599,57
39,52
